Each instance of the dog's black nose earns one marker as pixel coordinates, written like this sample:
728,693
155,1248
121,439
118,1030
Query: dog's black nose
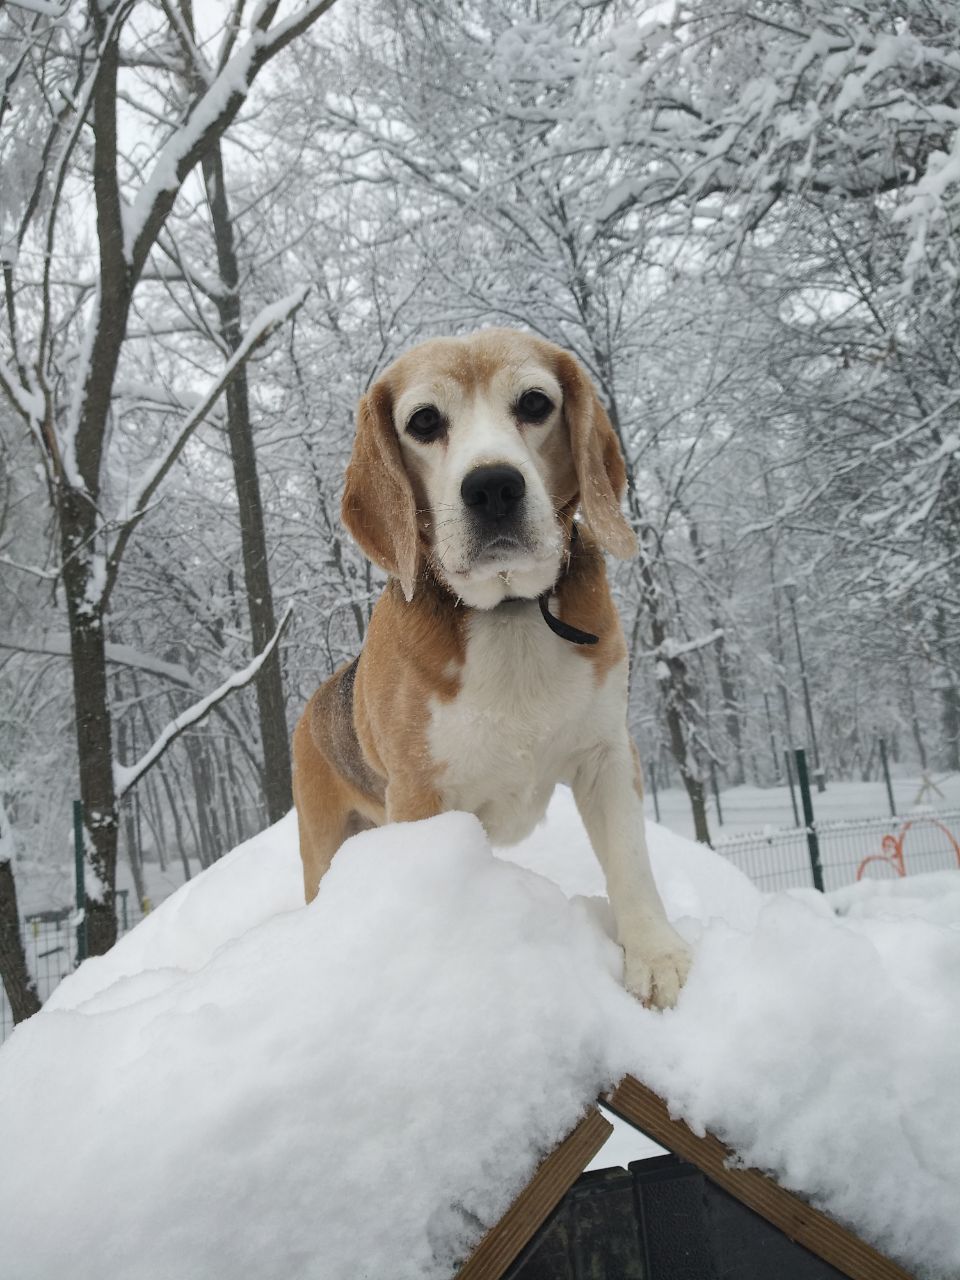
493,493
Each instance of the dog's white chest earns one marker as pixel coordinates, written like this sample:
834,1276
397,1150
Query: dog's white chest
529,706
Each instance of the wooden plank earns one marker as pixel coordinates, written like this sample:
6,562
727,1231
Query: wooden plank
799,1221
552,1180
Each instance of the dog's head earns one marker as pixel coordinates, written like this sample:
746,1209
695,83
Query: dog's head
474,453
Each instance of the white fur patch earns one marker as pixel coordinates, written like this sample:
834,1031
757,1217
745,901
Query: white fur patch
529,710
530,714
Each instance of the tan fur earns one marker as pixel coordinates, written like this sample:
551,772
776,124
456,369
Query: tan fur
329,810
412,653
378,504
599,465
584,601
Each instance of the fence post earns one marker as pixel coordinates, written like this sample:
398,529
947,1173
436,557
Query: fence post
793,794
773,741
813,844
886,777
653,788
78,843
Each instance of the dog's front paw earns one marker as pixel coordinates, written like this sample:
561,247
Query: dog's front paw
656,967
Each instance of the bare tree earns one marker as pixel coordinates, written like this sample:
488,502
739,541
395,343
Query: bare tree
70,413
17,983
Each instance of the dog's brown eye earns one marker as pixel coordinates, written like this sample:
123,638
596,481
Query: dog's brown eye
534,406
427,423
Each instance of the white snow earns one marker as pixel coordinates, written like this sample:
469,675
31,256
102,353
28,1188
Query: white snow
124,655
29,403
934,896
247,1086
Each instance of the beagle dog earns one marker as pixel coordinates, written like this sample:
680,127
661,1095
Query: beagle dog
494,665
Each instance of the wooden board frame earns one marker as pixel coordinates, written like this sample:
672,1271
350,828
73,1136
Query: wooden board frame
799,1221
554,1177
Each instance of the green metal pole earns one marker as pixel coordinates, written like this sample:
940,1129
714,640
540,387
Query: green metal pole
773,741
793,794
807,704
813,844
886,777
78,843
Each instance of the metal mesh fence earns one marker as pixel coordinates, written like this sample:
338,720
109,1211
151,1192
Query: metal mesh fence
50,942
780,859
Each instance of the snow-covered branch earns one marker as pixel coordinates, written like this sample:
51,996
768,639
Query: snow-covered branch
180,273
260,329
126,776
155,395
262,326
209,120
35,571
29,404
42,8
123,655
671,649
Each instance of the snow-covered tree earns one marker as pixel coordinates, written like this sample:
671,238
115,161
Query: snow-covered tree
109,158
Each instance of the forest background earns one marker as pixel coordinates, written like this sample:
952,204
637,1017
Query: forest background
220,221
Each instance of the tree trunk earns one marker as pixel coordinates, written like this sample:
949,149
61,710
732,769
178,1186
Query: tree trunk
915,719
92,726
256,571
728,688
20,988
951,724
77,497
949,696
210,847
681,749
236,795
674,683
731,706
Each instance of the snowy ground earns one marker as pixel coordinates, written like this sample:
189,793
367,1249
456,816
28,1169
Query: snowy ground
245,1086
748,809
52,884
745,809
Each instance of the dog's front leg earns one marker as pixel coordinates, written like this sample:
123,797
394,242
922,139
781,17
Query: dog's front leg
606,787
410,799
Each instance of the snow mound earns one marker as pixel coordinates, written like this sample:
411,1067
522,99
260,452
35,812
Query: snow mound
344,1090
256,881
356,1089
933,896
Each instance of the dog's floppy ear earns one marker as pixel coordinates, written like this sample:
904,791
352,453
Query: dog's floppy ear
378,504
597,460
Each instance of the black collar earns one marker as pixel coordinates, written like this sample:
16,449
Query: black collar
556,625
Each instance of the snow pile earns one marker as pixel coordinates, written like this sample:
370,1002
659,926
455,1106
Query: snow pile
934,896
357,1088
337,1088
253,883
